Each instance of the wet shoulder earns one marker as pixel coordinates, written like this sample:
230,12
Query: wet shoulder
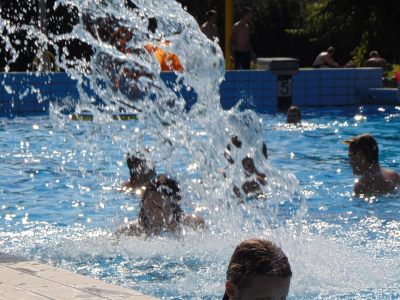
391,175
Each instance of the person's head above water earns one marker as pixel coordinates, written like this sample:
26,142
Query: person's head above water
258,269
159,207
364,161
293,115
363,152
139,170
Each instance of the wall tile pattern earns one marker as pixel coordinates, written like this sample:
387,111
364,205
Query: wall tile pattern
23,93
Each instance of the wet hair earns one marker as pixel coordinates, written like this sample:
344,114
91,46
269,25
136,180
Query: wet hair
365,143
255,257
210,14
296,109
331,50
374,54
245,11
167,187
137,166
134,160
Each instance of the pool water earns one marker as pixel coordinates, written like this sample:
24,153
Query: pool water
60,202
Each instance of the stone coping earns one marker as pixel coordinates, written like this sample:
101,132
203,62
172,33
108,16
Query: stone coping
24,279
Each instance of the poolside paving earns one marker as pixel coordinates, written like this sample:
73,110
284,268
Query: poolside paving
24,279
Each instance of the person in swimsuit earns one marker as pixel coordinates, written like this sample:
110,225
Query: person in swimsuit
160,211
364,160
239,43
210,28
141,171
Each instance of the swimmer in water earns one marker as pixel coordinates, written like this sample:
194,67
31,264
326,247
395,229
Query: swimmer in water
140,171
258,270
364,160
293,115
160,211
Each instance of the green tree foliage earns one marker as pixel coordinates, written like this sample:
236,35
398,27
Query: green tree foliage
345,24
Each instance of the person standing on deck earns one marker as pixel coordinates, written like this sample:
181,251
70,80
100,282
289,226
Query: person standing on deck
377,62
210,28
239,43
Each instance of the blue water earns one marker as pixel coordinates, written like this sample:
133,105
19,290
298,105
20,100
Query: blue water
60,201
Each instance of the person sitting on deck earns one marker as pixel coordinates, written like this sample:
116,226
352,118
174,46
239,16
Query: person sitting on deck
293,115
325,60
160,211
377,62
364,160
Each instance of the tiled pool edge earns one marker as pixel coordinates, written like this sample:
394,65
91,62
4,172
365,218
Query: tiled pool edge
257,89
24,279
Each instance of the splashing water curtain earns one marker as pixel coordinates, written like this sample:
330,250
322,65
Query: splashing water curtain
130,43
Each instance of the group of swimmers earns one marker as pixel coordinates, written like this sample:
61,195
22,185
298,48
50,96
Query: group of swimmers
160,209
258,268
364,161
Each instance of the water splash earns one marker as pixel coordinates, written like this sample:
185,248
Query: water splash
126,77
188,143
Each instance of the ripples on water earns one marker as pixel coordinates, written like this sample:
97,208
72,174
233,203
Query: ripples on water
60,201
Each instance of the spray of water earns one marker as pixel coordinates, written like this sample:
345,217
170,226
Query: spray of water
125,76
189,144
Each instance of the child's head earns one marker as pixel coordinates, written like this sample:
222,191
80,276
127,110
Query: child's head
258,269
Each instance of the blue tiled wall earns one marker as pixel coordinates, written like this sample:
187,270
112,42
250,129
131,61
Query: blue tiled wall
31,92
332,86
19,92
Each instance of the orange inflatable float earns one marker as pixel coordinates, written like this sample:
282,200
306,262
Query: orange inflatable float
168,61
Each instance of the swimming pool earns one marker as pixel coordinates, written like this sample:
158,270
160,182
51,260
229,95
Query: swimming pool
60,201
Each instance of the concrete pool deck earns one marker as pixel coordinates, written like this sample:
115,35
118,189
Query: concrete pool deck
24,279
